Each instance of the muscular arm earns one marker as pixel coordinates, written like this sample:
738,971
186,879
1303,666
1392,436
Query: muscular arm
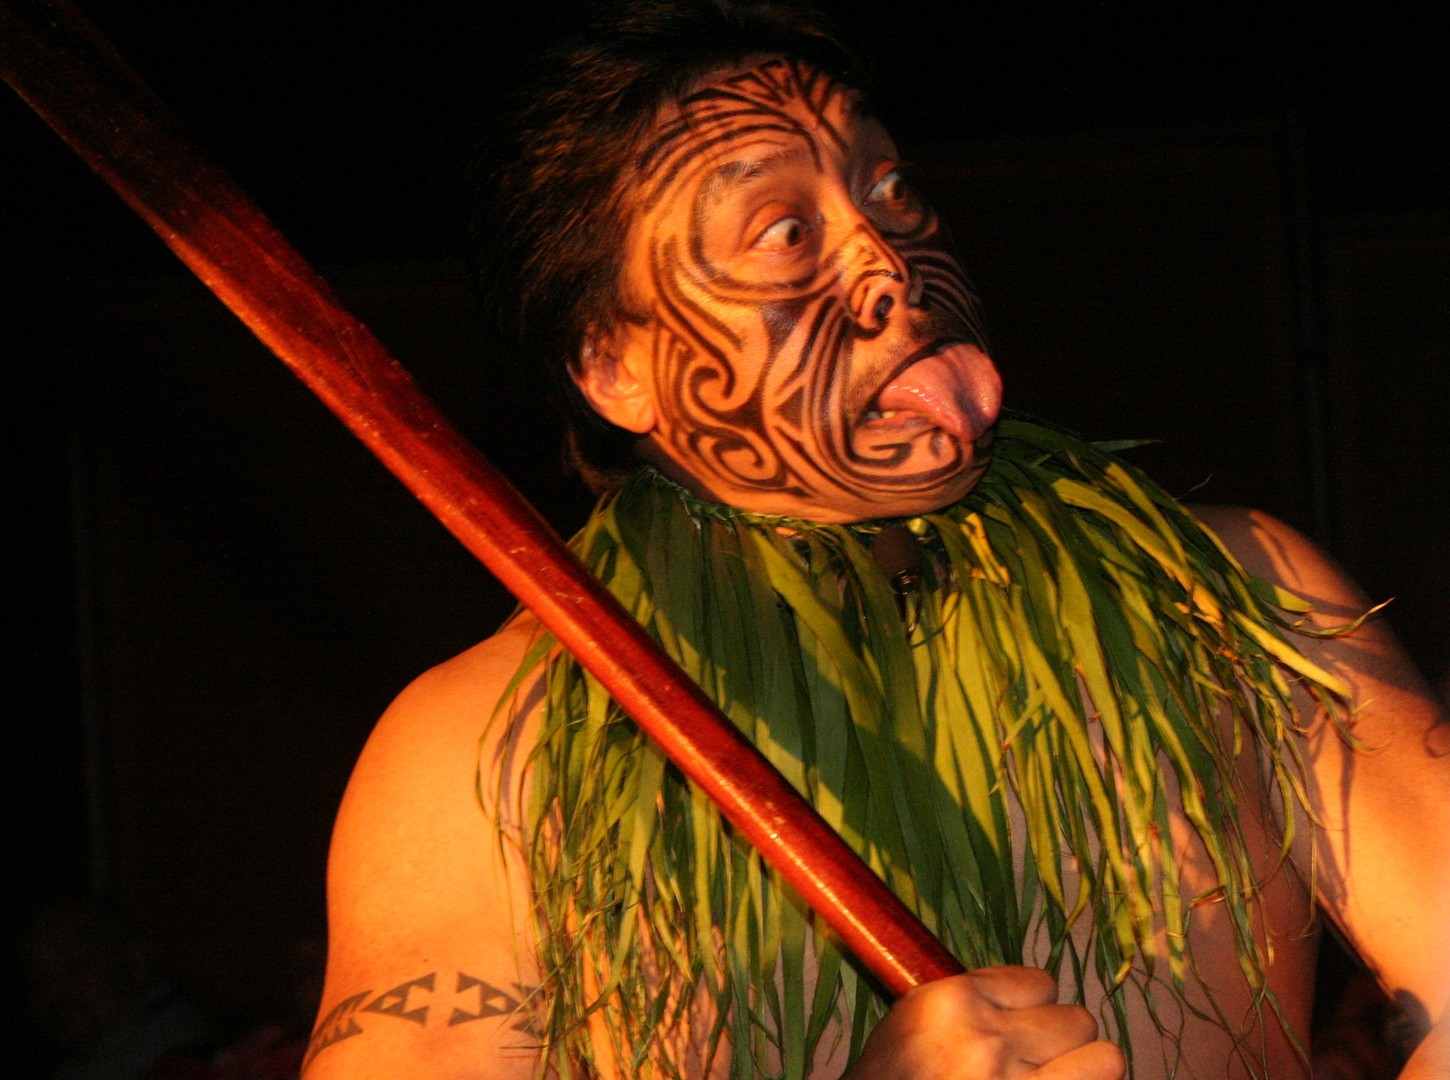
1382,867
430,963
426,975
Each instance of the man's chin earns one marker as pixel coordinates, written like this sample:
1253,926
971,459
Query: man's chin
880,500
913,504
935,472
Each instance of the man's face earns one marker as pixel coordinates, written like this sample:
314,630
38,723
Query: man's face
808,345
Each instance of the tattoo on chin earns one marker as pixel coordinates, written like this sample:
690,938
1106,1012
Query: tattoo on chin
428,1000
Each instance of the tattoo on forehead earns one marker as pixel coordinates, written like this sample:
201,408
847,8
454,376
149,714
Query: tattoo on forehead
771,98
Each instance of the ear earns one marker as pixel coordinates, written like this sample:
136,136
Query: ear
614,378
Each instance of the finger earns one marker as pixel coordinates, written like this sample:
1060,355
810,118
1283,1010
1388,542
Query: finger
1014,987
1096,1061
1041,1033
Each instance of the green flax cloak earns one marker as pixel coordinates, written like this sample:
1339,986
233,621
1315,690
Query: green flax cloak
1065,604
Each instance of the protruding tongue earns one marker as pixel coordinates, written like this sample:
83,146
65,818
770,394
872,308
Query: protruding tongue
957,389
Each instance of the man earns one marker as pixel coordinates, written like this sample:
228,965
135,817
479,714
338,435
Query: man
1036,695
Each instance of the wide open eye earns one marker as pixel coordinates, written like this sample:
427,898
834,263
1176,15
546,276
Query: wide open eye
784,235
891,190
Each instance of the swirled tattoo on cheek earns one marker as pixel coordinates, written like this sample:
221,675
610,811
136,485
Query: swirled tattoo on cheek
787,282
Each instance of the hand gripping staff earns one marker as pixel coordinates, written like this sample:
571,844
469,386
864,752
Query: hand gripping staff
61,65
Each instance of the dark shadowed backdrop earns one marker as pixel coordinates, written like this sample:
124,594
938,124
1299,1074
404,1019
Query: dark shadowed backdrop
1220,227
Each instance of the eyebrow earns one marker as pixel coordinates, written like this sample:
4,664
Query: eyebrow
740,173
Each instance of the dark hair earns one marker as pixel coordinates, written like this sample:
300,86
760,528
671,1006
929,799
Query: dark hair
549,224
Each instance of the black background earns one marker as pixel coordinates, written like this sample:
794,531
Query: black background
213,593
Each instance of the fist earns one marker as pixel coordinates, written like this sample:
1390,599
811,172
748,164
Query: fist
989,1024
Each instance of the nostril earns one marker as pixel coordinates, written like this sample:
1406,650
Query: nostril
882,309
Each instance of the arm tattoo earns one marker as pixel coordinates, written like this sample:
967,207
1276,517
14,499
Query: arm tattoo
414,1002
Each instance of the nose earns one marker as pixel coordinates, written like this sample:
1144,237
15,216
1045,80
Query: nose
882,281
879,291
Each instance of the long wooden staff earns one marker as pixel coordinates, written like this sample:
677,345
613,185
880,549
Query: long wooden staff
62,66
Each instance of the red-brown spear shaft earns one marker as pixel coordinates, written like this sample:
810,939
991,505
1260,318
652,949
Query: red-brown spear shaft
61,65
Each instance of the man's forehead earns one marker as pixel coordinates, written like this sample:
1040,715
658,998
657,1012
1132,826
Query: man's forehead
734,121
773,81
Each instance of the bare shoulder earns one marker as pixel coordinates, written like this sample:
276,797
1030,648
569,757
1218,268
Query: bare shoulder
455,706
1381,798
1368,658
1394,716
1277,552
428,962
